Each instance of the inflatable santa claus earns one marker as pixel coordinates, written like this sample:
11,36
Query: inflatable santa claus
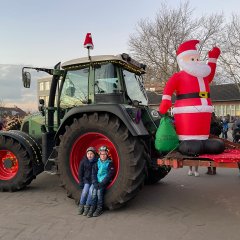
193,108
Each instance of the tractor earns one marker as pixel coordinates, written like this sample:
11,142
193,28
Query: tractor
93,101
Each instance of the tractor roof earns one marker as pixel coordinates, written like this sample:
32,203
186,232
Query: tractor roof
122,59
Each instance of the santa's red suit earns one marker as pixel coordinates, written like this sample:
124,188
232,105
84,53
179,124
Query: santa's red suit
192,109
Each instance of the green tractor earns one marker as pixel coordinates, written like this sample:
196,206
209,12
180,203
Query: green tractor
93,101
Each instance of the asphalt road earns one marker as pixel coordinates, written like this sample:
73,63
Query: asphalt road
178,207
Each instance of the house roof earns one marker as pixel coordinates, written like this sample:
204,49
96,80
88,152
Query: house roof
225,92
14,111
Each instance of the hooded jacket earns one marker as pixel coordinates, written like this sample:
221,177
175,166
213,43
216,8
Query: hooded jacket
102,172
85,170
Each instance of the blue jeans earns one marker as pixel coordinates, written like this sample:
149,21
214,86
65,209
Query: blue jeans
97,197
86,195
224,134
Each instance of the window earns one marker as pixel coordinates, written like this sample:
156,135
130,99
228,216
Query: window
232,110
135,87
75,88
47,85
46,100
237,110
106,80
41,86
227,109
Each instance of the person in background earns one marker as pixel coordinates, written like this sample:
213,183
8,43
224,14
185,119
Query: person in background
215,130
216,126
224,128
236,130
85,179
195,173
211,171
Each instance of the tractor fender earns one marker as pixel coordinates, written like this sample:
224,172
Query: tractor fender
119,110
31,146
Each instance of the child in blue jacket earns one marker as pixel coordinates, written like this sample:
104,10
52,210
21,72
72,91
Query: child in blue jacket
102,175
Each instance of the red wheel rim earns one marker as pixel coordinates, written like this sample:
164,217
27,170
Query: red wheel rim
96,140
7,173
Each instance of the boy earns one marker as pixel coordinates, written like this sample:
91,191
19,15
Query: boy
102,174
85,179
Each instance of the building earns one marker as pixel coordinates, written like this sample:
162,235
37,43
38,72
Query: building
226,99
43,88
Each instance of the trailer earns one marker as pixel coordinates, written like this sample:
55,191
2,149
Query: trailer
230,158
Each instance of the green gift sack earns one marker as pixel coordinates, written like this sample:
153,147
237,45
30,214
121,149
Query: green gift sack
166,138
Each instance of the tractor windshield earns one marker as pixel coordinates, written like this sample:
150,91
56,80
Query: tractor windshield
135,87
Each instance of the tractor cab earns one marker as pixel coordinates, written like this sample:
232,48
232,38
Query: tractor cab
102,79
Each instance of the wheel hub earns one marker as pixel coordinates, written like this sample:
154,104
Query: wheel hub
8,165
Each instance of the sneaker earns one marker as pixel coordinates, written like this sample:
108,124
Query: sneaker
98,211
80,209
196,174
91,211
190,173
86,210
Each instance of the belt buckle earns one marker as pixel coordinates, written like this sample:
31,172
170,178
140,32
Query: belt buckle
203,94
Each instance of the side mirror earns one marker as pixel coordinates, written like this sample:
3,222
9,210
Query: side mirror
41,107
26,78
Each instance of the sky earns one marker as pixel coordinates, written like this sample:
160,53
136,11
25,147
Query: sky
42,33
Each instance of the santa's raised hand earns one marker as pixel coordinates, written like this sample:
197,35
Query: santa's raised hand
214,53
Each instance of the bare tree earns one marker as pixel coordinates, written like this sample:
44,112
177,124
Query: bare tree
230,57
2,104
155,42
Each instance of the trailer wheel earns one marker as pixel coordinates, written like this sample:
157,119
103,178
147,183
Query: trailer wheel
16,170
125,150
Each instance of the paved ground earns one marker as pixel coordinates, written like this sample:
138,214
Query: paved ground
179,207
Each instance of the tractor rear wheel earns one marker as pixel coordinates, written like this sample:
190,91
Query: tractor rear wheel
16,170
126,151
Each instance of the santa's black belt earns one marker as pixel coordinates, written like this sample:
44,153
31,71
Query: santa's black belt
193,95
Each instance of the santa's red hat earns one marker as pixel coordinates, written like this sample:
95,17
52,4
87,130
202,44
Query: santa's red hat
88,43
187,48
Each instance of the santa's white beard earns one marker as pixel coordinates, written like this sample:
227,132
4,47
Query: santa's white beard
196,69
